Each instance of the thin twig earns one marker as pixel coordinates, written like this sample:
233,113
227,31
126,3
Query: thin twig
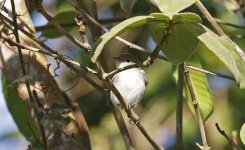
222,132
41,10
211,73
179,110
197,110
72,24
16,34
81,30
39,111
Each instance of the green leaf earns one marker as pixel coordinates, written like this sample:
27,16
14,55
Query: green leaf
172,7
226,51
201,89
242,133
187,17
181,45
118,29
62,18
127,5
158,26
19,111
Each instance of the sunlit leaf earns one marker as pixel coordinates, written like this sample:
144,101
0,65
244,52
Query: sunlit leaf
226,51
242,133
118,29
127,5
181,44
171,7
19,111
201,89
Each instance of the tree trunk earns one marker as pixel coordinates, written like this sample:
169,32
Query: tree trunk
45,93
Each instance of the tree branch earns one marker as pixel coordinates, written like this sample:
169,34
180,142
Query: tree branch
131,114
210,19
41,10
72,24
197,110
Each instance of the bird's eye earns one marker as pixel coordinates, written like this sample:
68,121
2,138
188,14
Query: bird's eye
128,60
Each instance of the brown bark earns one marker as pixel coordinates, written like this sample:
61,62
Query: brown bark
73,135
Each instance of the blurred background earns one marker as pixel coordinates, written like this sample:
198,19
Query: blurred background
158,107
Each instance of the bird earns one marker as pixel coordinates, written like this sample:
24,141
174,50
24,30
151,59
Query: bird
131,83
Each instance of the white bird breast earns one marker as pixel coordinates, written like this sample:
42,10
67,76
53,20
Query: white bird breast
131,84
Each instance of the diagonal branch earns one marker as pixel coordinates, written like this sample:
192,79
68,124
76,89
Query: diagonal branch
222,132
91,19
133,117
41,10
211,20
